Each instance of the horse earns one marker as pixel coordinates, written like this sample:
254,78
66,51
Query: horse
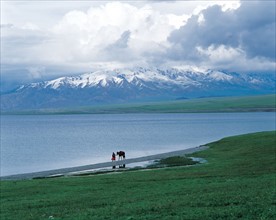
121,155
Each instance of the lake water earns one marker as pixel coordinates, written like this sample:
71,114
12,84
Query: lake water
42,142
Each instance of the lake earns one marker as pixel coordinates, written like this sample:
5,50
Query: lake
32,143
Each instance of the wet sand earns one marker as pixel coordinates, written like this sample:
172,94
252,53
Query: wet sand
66,171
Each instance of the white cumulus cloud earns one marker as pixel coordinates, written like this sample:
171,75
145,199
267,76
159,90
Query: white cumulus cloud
41,40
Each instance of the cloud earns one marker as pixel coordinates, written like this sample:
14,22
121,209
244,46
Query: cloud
122,42
79,38
221,54
82,35
113,32
6,25
18,44
233,59
217,36
106,35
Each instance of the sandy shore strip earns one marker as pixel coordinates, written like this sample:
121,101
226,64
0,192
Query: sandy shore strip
65,171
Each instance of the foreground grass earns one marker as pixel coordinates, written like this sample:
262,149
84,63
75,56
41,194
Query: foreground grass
238,182
261,103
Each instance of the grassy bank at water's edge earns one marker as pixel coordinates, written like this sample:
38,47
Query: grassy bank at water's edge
261,103
238,182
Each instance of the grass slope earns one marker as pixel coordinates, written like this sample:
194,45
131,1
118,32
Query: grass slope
223,104
238,182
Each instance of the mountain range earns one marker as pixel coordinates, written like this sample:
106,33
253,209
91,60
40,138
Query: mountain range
135,85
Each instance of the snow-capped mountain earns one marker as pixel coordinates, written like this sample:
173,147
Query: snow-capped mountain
139,77
135,85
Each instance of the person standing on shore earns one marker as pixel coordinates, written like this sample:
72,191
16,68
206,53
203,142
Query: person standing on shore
113,158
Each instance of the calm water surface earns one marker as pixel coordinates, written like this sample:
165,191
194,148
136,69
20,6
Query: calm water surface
42,142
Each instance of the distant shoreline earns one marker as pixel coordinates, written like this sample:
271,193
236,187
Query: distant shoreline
258,103
66,171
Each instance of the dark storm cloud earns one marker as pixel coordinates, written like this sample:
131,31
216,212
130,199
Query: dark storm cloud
122,42
251,28
257,23
119,49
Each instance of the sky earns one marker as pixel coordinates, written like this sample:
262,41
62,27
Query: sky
46,39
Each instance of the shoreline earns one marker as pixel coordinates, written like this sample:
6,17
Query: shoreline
236,104
67,171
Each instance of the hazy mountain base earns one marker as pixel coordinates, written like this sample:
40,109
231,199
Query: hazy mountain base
263,103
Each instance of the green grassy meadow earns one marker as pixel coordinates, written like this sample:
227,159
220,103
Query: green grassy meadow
261,103
238,182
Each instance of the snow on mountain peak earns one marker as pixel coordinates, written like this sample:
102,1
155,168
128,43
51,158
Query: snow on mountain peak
194,69
137,85
220,76
177,76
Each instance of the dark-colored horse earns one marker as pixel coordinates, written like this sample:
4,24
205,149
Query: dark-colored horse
121,154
